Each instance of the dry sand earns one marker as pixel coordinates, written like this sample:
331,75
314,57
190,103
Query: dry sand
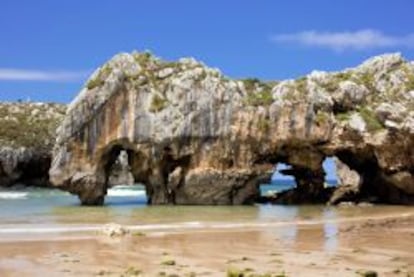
331,248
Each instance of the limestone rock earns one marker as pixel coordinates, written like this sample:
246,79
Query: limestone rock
349,184
391,111
347,176
349,94
197,137
120,172
357,123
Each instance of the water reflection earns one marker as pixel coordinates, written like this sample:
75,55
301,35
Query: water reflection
301,224
291,225
330,228
285,233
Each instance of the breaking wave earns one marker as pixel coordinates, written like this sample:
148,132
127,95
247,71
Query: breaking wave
13,195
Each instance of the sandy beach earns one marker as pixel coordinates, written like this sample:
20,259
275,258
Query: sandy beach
342,247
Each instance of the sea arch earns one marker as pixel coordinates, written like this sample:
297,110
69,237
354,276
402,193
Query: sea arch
197,137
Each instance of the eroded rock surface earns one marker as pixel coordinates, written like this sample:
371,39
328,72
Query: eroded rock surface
120,172
194,136
349,182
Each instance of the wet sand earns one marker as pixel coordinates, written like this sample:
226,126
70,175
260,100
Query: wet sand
327,248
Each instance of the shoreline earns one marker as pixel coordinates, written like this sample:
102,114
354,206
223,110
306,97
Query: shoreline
383,244
189,226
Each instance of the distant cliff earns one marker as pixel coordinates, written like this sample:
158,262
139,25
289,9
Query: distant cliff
194,136
27,136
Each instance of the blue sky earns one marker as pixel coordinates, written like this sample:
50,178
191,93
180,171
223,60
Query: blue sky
49,47
328,165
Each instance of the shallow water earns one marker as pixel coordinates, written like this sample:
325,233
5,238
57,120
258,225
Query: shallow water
43,227
38,210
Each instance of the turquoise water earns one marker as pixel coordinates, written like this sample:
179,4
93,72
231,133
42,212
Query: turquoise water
40,211
40,205
281,185
122,204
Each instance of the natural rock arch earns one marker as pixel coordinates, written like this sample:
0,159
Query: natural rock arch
197,137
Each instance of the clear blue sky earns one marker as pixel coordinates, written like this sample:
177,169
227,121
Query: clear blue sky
48,48
328,165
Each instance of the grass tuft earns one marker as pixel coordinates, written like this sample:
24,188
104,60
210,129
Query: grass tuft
371,120
99,80
158,103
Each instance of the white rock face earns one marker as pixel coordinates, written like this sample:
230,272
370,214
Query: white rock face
347,176
381,64
350,94
165,72
349,184
391,111
357,123
408,123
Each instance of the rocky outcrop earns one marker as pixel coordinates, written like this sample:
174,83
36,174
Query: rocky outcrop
120,172
349,184
194,136
27,135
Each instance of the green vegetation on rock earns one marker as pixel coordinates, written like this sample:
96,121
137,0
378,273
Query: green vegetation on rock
368,81
321,118
250,83
158,103
301,84
258,93
143,58
336,79
99,80
410,79
344,116
29,124
371,120
263,98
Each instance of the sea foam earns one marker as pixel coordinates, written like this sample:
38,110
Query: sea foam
125,192
13,195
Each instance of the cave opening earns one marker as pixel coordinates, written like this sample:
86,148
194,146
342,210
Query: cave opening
329,167
278,182
122,186
290,184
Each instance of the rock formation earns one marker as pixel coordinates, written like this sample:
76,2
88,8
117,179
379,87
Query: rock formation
120,172
349,184
27,135
194,136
